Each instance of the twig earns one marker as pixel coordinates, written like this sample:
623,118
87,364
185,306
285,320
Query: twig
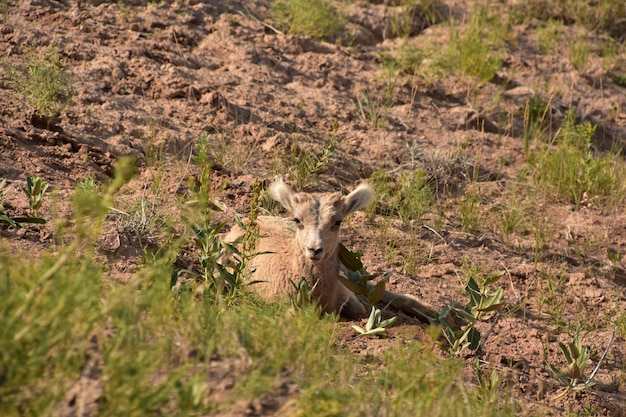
425,226
603,356
488,332
256,19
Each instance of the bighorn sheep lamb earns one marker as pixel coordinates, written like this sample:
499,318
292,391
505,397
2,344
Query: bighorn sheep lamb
306,246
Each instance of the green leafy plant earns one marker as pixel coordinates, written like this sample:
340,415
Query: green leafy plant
483,303
571,172
488,386
407,196
375,325
35,189
305,165
7,218
312,18
576,355
43,82
222,267
302,294
358,280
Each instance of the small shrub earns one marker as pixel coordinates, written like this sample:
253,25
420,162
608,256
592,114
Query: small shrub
579,51
548,35
409,196
570,172
311,18
43,82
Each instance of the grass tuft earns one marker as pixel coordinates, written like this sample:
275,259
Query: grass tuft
309,18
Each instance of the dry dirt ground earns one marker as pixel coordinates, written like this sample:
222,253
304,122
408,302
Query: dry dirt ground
150,79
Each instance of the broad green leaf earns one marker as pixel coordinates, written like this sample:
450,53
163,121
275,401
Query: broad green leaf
350,259
377,293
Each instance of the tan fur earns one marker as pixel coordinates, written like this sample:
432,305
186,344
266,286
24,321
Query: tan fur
307,248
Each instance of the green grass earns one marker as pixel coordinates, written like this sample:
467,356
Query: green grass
607,16
309,18
571,172
474,50
43,82
147,348
549,34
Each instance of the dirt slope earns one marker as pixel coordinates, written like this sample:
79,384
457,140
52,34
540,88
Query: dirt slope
150,79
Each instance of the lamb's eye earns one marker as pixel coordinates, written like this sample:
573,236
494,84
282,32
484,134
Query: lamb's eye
298,222
336,225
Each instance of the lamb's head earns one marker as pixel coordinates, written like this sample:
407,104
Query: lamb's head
318,217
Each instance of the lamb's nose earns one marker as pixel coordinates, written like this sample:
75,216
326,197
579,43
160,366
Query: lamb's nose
315,253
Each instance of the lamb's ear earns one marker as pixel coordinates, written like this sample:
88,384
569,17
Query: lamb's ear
281,193
357,199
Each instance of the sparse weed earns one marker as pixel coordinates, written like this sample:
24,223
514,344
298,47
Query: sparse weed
576,355
375,325
482,305
550,300
508,220
5,11
548,35
304,166
402,23
43,82
536,121
311,18
222,152
408,196
374,108
579,51
572,173
470,212
34,190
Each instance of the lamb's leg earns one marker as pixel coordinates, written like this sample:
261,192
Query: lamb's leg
409,305
353,308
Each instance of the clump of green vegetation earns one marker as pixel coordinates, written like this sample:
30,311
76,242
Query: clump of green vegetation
576,355
571,172
43,82
548,35
579,51
483,303
375,325
34,199
145,347
474,50
310,18
305,165
607,16
408,196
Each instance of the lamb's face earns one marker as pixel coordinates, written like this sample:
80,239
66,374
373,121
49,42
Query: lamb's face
318,217
317,220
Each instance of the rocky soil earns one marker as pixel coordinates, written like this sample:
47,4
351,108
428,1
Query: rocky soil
150,79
